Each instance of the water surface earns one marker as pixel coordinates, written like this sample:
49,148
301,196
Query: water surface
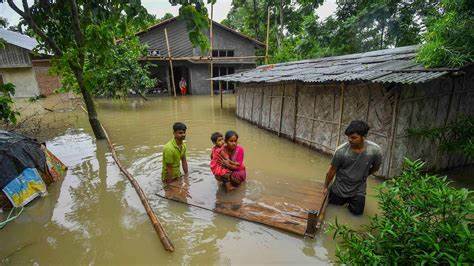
95,217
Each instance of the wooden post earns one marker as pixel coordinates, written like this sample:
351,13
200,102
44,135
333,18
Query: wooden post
296,111
261,106
211,39
393,131
171,62
220,92
268,34
311,223
281,109
341,111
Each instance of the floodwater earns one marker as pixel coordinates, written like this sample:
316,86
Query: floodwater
94,215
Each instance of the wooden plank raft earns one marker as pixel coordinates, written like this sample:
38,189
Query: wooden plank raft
299,209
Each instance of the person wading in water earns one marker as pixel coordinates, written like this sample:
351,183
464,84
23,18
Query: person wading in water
183,86
352,163
174,153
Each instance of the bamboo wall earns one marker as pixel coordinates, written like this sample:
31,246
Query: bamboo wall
310,114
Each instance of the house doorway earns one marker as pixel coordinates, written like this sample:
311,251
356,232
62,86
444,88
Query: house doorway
181,72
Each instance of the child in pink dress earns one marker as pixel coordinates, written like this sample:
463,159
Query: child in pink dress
227,160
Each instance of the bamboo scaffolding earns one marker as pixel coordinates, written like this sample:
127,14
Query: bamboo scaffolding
211,37
153,219
171,62
268,34
220,92
199,58
341,110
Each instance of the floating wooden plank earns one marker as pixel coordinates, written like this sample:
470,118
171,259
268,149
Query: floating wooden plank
288,211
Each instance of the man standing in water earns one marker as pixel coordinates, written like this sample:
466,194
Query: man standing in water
174,153
352,163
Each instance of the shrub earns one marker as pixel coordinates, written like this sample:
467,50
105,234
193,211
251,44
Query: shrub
423,220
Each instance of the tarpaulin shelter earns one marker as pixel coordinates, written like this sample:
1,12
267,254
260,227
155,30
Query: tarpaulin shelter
21,156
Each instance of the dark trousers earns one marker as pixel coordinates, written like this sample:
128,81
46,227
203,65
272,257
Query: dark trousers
356,204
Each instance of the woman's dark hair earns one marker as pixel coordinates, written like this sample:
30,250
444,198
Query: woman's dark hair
358,127
229,134
215,136
179,126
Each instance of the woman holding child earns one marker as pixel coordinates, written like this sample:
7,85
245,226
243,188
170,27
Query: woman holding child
227,159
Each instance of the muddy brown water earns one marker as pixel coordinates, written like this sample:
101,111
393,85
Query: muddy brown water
95,217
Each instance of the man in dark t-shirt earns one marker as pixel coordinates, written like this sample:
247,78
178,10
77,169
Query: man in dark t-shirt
352,163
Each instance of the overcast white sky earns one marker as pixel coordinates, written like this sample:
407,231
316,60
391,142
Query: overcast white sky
161,7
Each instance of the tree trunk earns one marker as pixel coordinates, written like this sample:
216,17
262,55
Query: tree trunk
280,33
256,22
277,31
91,112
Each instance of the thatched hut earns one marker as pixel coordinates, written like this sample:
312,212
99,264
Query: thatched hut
312,101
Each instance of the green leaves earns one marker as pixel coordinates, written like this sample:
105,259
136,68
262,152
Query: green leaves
423,220
7,114
450,34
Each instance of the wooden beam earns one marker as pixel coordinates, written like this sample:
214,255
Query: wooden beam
211,37
296,110
171,62
341,112
220,92
267,35
393,131
200,58
281,109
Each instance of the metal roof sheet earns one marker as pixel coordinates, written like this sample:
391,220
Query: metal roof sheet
395,65
18,39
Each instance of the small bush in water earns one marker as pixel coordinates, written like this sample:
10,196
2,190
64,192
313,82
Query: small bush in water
423,220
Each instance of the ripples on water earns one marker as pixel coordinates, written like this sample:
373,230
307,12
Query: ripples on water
95,217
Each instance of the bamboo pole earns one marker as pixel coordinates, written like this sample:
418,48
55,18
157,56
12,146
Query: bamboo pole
296,111
153,219
171,62
268,34
200,58
220,92
281,110
211,37
393,131
341,111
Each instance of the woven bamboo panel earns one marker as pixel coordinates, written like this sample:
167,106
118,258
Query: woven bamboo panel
305,111
275,110
267,100
288,123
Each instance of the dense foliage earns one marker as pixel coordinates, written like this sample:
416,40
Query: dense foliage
357,26
7,112
450,36
423,220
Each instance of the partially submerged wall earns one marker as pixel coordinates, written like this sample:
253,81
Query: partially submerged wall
311,114
433,104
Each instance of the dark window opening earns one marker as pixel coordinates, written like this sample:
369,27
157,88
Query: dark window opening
222,53
227,86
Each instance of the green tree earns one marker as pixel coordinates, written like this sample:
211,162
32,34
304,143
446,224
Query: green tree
450,35
82,35
423,220
7,113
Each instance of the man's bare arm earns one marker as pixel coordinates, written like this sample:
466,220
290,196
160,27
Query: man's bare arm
184,162
169,172
329,177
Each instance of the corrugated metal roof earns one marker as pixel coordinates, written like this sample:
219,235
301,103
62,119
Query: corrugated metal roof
395,65
18,39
